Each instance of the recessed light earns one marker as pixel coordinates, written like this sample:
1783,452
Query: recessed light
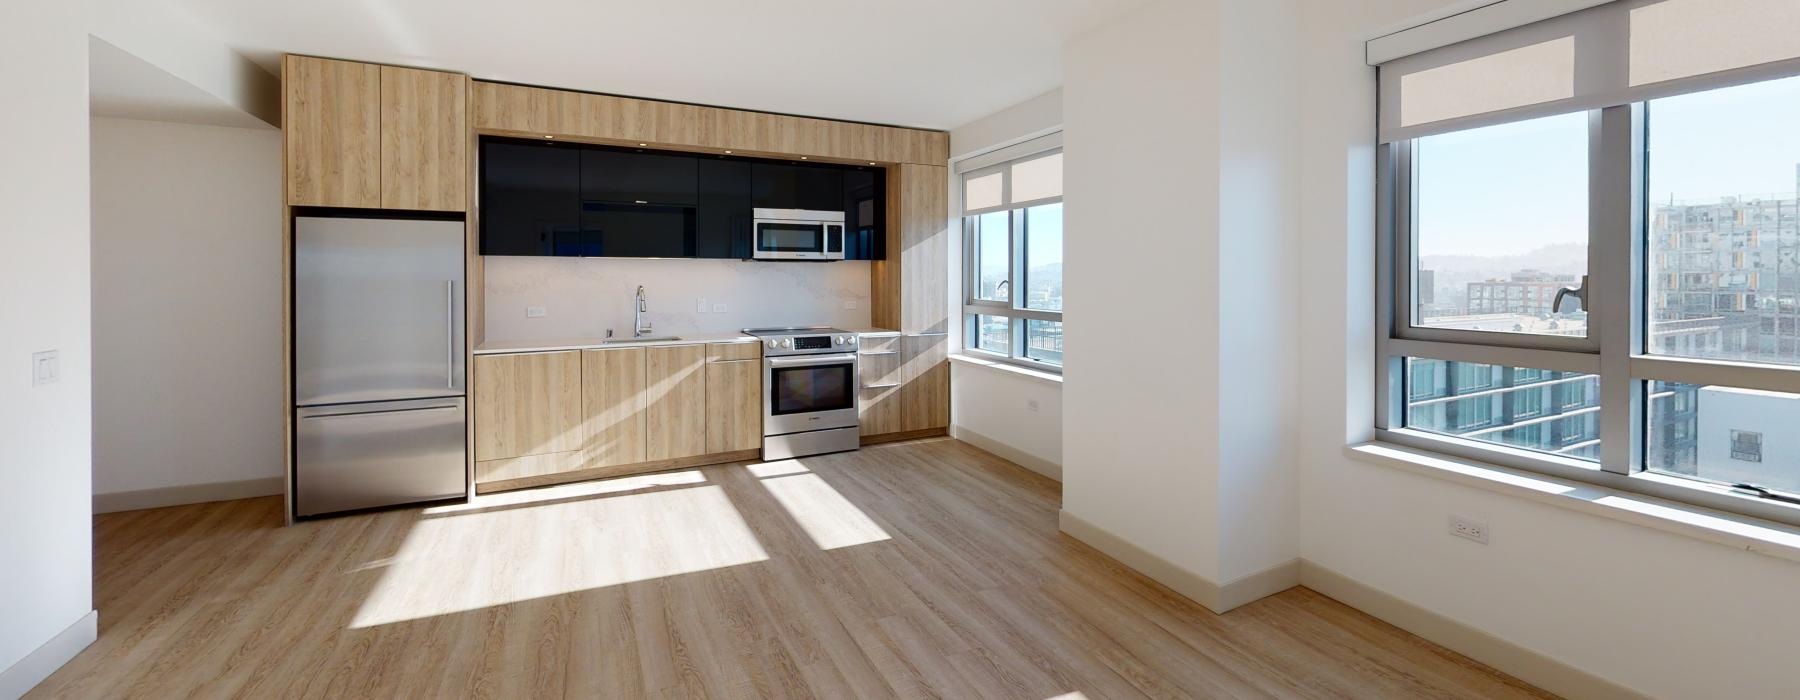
643,144
871,163
728,151
802,157
549,136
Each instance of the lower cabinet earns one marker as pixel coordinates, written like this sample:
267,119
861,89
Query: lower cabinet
676,415
733,405
905,384
544,418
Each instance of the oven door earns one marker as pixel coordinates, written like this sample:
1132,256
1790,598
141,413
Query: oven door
780,239
813,392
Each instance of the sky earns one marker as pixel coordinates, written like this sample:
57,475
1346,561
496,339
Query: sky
1513,188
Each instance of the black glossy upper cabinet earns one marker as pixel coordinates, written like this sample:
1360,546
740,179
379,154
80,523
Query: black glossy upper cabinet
641,178
724,217
865,215
530,200
795,186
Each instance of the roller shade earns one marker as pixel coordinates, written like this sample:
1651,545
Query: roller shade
1621,52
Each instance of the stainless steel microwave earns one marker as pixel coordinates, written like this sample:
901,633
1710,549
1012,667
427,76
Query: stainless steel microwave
798,234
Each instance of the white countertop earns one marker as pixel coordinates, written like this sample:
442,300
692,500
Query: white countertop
557,344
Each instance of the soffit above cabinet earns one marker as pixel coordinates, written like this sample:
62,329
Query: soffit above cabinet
518,110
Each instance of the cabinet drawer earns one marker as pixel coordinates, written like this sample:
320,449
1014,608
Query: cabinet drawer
727,352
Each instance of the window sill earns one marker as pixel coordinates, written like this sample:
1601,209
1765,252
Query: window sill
973,361
1741,532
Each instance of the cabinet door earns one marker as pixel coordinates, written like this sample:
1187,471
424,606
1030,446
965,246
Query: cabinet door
865,214
527,404
424,139
642,178
676,416
790,186
613,402
733,405
331,124
530,200
724,216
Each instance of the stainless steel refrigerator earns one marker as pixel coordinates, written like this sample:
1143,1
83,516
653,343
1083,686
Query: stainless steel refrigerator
378,363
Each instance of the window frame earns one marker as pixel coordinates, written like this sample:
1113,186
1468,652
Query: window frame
1616,351
1017,277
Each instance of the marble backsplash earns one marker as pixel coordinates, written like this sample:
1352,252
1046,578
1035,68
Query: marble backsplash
583,297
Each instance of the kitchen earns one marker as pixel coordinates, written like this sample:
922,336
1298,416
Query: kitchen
811,252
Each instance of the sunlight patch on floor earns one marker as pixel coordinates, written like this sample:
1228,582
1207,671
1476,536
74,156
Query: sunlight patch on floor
572,491
830,519
782,467
482,558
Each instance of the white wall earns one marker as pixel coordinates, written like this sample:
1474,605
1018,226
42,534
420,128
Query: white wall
1014,416
1141,403
582,297
187,293
1664,614
46,548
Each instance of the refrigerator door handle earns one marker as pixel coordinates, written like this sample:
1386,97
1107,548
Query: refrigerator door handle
450,334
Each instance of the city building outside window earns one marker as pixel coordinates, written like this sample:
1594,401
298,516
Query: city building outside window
1012,259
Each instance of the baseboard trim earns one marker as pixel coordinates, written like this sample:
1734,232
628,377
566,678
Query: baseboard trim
1008,452
183,495
1519,662
24,675
1209,594
880,438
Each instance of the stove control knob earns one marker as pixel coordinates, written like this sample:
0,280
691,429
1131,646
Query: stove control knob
840,340
849,340
787,343
771,344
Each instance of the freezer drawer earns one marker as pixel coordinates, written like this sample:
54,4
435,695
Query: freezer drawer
378,454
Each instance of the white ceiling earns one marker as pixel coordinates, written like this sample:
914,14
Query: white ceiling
923,63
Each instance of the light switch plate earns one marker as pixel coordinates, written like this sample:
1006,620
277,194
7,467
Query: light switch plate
45,367
849,304
718,308
536,312
700,306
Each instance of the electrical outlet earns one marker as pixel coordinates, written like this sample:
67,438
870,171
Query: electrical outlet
45,367
849,304
536,312
718,308
1031,405
700,306
1469,529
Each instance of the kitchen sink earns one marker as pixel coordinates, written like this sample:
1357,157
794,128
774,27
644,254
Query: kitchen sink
645,339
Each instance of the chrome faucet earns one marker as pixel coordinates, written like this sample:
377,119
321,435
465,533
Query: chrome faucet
639,326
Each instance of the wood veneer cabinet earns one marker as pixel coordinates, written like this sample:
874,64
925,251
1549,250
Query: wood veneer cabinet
613,402
331,124
527,404
368,136
675,376
734,405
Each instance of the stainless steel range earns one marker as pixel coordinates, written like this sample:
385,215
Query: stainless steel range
809,391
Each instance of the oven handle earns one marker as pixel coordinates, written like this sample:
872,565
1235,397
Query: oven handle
811,360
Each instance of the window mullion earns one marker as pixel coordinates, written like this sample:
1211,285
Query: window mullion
1615,264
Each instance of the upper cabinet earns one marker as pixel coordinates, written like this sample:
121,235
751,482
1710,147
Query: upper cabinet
332,125
542,197
368,136
424,139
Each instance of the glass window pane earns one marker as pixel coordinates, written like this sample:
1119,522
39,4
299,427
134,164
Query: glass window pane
993,334
993,245
983,192
1542,410
1723,434
1501,226
1044,341
1043,257
1724,248
1038,178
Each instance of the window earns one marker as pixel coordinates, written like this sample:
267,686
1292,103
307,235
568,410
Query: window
1610,295
1013,257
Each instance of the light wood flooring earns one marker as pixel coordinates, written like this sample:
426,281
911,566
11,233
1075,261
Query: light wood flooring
914,569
